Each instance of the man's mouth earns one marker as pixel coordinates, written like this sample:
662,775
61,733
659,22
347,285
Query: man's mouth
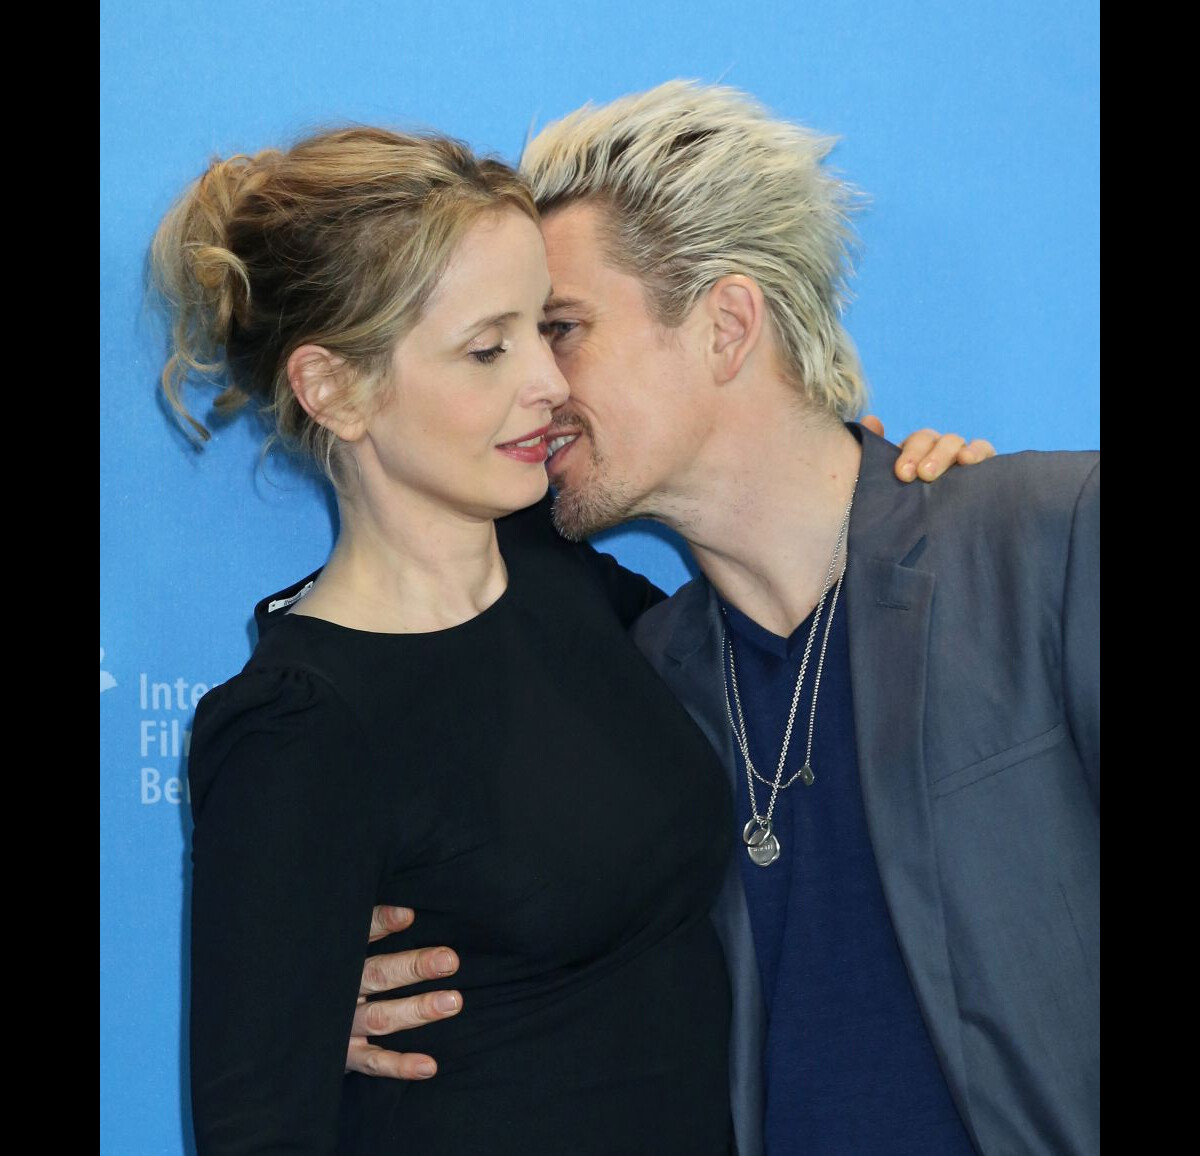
557,442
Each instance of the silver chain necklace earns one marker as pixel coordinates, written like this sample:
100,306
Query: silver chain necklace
762,844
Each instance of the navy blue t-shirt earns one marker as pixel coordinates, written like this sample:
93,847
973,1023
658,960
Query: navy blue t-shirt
849,1066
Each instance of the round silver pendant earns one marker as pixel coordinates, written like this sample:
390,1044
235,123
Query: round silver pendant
765,853
754,833
806,775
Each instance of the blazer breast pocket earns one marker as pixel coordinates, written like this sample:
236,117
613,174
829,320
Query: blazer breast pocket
994,764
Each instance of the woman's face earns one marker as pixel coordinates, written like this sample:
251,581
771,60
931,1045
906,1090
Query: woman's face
473,384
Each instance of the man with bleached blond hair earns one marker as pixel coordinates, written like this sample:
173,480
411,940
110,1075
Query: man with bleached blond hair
903,682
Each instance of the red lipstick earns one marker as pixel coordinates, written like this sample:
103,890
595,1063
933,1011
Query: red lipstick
534,450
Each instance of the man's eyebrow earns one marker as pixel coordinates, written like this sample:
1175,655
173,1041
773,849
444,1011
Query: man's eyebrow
554,301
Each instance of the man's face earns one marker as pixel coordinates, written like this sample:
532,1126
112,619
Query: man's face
636,408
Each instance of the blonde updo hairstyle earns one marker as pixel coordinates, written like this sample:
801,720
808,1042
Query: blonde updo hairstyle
337,242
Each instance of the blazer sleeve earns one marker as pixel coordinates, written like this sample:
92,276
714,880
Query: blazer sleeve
284,878
1081,628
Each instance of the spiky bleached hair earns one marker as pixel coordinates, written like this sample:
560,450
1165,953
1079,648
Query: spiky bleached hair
698,182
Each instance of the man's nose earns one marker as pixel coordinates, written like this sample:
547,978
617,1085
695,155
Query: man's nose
549,385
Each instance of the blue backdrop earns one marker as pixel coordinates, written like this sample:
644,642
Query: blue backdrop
973,126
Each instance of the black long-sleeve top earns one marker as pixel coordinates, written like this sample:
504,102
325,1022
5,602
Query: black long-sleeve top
527,783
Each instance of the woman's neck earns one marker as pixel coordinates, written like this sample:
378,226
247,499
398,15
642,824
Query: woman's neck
408,570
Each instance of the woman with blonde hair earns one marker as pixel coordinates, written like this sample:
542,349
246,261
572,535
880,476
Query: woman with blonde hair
399,734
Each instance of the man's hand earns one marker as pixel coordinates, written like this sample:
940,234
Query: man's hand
927,454
380,1017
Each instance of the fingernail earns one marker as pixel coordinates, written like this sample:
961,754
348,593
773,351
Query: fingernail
909,470
404,913
927,468
423,1069
443,963
445,1002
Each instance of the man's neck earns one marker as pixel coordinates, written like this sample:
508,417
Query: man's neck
765,510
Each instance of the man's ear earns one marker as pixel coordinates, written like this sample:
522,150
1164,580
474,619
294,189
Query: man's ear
320,381
736,310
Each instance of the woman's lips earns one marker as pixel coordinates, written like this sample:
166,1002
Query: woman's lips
531,448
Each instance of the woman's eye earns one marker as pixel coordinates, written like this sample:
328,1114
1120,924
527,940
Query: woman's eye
553,330
487,356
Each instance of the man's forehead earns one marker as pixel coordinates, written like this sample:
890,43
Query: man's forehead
586,278
576,233
574,262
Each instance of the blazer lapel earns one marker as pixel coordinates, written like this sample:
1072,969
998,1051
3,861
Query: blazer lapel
889,601
693,671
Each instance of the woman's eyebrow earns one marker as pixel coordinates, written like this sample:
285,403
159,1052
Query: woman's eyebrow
494,319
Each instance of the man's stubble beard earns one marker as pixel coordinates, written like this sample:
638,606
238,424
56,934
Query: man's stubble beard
599,503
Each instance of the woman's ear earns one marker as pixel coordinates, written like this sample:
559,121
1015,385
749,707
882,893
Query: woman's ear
320,380
736,309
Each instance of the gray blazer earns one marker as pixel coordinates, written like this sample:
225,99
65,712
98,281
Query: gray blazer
973,613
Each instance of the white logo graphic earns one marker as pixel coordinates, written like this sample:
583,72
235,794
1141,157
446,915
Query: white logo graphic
107,682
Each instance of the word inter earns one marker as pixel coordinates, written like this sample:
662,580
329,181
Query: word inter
177,695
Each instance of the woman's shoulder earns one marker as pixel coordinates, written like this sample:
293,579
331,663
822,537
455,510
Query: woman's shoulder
529,536
273,723
273,695
270,681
